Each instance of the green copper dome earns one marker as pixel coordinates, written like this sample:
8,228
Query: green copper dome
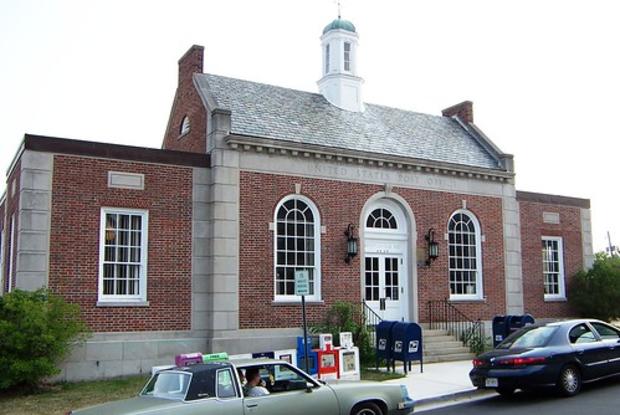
339,24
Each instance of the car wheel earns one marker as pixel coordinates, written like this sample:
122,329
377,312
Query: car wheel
505,391
367,408
569,382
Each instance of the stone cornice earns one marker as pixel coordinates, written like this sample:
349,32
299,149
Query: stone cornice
292,149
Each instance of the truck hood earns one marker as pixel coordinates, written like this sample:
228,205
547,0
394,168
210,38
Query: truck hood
133,406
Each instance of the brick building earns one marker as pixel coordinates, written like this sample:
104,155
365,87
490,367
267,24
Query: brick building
194,246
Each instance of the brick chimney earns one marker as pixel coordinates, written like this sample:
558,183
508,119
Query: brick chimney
190,63
464,110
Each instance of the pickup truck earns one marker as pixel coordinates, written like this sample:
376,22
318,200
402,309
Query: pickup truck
216,388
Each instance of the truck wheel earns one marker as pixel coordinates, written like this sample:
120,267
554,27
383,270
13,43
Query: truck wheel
569,381
366,408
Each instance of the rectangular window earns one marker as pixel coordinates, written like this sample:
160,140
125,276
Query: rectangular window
347,56
553,267
123,255
9,257
326,59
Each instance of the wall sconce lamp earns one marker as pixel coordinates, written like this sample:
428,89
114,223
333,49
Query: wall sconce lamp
351,244
432,245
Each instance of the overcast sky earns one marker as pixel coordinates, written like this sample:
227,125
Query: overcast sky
543,74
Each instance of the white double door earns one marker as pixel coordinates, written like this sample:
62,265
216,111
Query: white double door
384,285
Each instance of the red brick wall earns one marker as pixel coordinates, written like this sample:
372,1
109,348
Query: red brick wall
187,102
79,191
339,204
3,242
532,230
12,207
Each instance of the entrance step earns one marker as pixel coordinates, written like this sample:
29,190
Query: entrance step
440,346
448,358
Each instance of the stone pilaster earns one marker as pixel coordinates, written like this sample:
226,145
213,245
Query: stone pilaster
512,252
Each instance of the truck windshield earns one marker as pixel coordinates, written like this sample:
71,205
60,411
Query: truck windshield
168,385
528,338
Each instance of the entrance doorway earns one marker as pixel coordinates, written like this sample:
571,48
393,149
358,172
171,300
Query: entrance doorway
385,276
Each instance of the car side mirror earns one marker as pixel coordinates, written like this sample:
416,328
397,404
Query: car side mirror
309,387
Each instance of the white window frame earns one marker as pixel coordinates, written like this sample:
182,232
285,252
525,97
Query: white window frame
185,126
479,280
327,62
346,56
561,277
114,298
317,252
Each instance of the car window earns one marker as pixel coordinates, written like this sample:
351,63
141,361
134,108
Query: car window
528,338
581,334
225,385
605,331
168,385
282,377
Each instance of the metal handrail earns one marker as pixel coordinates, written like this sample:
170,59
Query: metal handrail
444,315
371,319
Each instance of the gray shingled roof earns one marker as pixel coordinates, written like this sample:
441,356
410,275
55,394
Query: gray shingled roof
277,113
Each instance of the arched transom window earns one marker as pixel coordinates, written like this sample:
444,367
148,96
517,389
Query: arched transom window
185,126
381,218
296,246
464,256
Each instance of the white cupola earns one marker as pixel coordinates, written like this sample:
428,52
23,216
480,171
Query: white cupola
340,84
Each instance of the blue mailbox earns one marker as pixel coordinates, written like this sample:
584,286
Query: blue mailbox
517,322
383,342
407,345
500,329
313,358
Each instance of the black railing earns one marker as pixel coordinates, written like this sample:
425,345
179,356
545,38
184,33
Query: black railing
371,319
443,315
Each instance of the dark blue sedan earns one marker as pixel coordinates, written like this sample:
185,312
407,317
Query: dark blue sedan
563,354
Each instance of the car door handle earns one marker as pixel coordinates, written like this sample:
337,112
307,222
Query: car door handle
579,351
251,405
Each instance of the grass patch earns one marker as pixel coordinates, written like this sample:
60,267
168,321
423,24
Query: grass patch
62,397
378,375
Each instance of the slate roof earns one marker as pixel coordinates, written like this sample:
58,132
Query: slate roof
267,111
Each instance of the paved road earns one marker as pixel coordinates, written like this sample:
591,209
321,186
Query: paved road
600,398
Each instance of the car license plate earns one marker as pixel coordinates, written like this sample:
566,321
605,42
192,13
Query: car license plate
491,383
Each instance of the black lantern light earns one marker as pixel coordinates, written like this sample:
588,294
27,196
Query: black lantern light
351,244
432,245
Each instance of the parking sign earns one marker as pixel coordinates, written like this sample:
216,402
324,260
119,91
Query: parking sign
302,282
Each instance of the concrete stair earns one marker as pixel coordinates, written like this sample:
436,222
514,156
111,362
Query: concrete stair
440,346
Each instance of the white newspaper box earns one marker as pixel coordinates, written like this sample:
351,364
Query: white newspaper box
349,358
240,356
326,342
288,355
349,364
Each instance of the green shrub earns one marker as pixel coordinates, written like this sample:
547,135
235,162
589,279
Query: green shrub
343,317
596,293
36,332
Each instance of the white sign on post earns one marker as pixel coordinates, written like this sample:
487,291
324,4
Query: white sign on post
302,282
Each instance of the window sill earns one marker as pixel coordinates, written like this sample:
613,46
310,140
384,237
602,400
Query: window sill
556,300
123,304
293,302
467,300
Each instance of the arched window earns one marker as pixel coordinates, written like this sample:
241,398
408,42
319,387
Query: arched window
381,218
297,246
464,256
185,126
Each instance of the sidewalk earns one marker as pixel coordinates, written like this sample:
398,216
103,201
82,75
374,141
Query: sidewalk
439,382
